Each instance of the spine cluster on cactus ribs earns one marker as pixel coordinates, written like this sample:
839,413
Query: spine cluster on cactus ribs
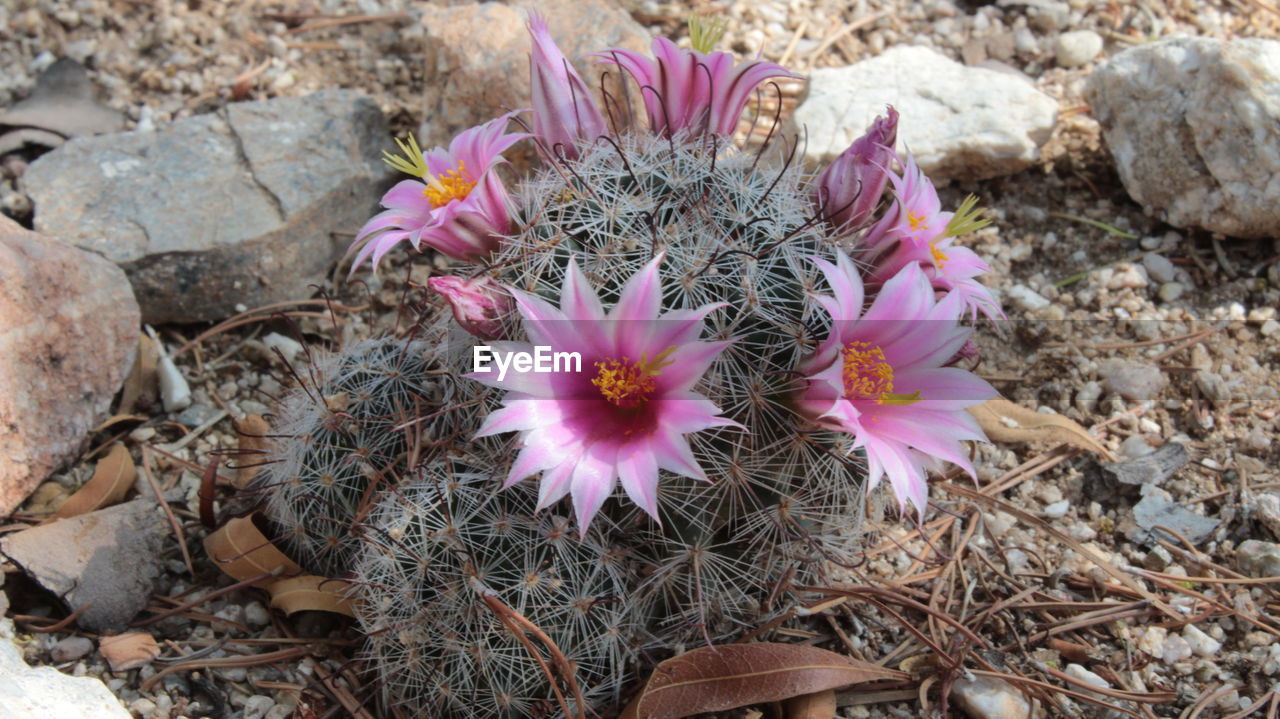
759,346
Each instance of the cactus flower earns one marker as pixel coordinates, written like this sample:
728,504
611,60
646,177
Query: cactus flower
691,90
563,109
881,376
848,191
479,305
625,413
458,205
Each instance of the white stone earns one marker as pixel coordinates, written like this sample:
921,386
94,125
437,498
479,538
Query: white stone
288,346
1026,299
1078,47
959,122
28,692
1202,644
987,698
1194,127
1175,649
1057,510
175,393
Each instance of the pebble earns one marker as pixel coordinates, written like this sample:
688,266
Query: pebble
1132,380
1202,644
1086,676
70,649
1087,396
1175,649
287,346
175,393
1159,268
257,706
1026,299
256,615
1151,640
1258,558
988,698
1135,446
1127,276
1077,48
1269,328
1213,386
1256,441
1057,510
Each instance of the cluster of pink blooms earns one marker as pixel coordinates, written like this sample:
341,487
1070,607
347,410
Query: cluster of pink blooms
884,374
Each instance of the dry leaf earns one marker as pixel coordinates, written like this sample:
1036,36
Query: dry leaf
311,593
241,551
112,478
128,651
714,679
1004,421
142,386
820,705
253,431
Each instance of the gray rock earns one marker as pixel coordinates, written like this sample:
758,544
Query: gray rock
69,333
1150,466
70,649
109,558
1132,380
1158,267
1259,559
1077,48
959,122
236,207
1171,291
28,692
1026,299
477,61
1156,510
1194,127
987,698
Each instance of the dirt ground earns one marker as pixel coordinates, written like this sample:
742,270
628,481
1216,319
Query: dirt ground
1035,579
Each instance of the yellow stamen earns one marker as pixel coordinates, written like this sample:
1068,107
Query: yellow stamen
444,188
868,375
939,257
916,221
628,384
413,163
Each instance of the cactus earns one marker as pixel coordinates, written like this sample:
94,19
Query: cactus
335,440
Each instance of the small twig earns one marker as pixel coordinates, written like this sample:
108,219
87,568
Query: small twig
168,511
322,23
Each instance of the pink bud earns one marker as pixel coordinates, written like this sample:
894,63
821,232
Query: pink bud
563,110
479,305
848,191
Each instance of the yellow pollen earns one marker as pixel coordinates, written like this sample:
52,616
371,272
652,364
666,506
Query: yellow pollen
868,375
916,221
444,188
939,257
628,384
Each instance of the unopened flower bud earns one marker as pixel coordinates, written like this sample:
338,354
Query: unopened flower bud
848,191
479,305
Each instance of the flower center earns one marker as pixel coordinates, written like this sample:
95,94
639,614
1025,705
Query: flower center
916,220
449,186
939,257
628,384
867,375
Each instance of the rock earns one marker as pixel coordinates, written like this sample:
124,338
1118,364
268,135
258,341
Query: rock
110,558
1202,644
1269,328
1132,380
1026,299
69,329
959,122
988,698
1159,268
70,649
1171,291
1213,386
1078,47
1194,127
1150,467
1157,510
257,706
256,615
1057,510
234,207
60,106
287,346
1259,559
1135,446
1175,649
1087,396
28,692
477,62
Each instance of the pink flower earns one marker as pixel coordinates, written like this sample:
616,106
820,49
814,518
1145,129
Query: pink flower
687,89
881,376
479,305
459,207
916,230
563,109
848,191
624,415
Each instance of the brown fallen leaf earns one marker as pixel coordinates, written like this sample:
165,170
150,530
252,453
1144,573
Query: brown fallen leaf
819,705
128,651
1004,421
142,386
311,593
714,679
111,480
241,551
253,431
